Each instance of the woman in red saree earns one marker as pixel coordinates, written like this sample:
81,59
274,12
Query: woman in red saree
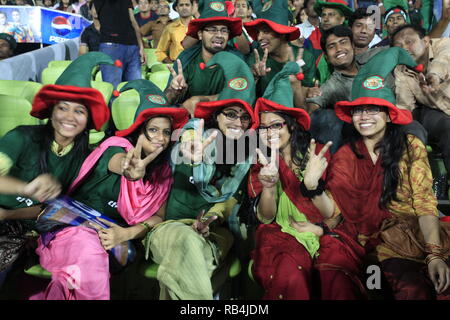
293,243
383,173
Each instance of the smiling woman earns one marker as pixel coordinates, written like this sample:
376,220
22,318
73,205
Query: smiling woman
37,163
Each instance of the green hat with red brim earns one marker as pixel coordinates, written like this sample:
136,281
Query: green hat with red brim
214,12
369,86
239,89
152,103
74,84
276,15
340,5
279,96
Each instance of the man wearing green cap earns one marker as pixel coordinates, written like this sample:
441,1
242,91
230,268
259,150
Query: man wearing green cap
7,46
191,81
426,94
272,31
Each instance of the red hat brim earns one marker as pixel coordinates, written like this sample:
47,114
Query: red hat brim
205,110
179,116
397,116
51,94
300,115
234,24
253,27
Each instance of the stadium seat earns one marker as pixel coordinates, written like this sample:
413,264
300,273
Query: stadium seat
151,58
160,78
38,271
22,89
123,108
59,63
159,67
50,75
105,88
14,111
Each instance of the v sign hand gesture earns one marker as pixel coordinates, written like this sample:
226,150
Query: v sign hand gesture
268,175
316,166
178,83
133,166
201,225
259,68
194,149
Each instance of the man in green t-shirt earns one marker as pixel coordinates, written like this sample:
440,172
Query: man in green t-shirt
192,82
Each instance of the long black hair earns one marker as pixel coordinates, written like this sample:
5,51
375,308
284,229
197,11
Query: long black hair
391,149
299,140
161,158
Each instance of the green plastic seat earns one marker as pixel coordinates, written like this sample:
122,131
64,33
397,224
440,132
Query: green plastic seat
38,271
22,89
14,111
250,270
50,75
151,57
120,85
59,63
105,88
123,109
160,67
160,78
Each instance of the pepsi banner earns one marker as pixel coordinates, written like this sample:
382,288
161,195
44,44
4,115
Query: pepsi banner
36,24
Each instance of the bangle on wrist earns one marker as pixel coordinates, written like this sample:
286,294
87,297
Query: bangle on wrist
312,193
146,226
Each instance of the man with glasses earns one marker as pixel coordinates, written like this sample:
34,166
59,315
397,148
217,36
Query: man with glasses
192,82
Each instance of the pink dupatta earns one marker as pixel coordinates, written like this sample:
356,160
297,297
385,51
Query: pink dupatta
138,200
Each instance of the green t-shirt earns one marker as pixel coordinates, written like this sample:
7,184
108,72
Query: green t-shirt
309,69
101,188
20,146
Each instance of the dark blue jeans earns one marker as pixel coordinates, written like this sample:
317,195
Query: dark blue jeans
131,61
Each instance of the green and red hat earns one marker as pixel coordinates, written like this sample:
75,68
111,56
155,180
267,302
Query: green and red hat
152,103
74,84
214,11
239,89
276,15
279,96
396,9
340,5
369,87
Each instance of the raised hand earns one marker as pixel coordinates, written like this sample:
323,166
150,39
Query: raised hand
316,166
43,187
201,225
178,82
194,149
133,166
259,68
268,175
314,91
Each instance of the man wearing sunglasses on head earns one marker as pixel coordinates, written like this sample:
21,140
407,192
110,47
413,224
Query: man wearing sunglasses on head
191,82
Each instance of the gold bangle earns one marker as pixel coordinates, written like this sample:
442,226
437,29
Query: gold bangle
146,226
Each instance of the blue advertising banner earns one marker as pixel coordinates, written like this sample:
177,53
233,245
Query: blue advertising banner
36,24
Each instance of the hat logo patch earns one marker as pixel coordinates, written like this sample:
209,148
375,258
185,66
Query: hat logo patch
238,84
156,99
217,6
373,83
267,6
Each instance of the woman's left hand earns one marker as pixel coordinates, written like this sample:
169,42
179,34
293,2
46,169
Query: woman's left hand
112,236
439,273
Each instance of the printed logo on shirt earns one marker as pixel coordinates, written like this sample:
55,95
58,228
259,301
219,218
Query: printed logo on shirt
267,6
373,83
112,204
27,201
155,98
217,6
238,84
